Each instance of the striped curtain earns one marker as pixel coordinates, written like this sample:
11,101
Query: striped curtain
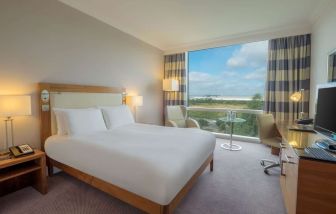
174,68
332,68
288,72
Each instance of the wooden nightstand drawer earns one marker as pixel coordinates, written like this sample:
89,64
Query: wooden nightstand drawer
17,173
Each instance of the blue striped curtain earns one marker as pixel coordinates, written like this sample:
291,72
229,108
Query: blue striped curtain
288,72
174,68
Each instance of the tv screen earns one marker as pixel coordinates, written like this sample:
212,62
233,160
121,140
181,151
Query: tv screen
325,118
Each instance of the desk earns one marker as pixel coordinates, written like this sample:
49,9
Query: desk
308,186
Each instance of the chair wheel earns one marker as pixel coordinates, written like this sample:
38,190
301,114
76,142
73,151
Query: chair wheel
266,172
262,163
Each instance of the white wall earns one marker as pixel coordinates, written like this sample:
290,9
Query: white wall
323,41
47,41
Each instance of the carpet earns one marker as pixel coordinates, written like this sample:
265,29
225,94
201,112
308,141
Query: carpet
237,185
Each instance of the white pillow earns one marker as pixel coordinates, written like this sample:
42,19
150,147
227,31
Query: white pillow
117,116
60,121
82,121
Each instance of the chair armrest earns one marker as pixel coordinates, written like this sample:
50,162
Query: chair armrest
191,123
171,123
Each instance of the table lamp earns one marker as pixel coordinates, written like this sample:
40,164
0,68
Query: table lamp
297,97
170,85
11,106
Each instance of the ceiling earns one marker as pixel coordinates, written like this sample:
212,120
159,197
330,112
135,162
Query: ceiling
169,24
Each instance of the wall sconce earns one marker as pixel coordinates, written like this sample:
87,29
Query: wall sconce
170,85
135,101
11,106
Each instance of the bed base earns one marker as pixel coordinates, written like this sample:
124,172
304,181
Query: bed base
129,197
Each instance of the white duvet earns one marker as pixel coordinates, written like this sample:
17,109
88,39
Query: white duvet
151,161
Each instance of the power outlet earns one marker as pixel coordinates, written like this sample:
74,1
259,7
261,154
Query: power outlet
45,107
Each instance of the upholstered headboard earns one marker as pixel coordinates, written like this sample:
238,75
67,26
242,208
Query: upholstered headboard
73,96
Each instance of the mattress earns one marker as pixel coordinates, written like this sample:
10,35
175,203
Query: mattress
151,161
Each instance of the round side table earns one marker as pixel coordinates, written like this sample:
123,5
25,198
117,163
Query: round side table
231,146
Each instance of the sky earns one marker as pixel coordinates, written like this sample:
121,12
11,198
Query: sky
237,70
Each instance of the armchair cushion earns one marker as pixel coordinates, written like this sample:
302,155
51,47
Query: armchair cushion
171,123
175,113
274,141
178,123
191,123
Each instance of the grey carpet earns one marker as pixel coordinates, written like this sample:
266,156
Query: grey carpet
237,185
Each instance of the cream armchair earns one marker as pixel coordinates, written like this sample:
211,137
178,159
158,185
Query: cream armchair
176,117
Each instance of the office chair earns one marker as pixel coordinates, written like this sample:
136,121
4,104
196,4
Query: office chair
270,136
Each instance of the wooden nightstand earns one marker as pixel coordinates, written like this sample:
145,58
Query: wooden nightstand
17,173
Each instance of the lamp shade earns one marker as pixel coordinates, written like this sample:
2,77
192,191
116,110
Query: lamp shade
296,97
170,85
15,106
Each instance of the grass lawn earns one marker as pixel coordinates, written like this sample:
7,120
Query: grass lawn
211,121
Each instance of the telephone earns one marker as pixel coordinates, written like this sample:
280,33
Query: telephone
305,121
18,151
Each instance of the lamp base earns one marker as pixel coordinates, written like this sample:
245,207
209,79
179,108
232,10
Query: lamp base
302,116
4,152
4,155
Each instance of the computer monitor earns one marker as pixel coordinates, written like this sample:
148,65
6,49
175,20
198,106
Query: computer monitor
325,117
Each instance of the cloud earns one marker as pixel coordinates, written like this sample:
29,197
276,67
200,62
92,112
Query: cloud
251,54
243,75
227,83
196,76
229,74
258,74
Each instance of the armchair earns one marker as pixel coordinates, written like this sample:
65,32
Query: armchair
176,117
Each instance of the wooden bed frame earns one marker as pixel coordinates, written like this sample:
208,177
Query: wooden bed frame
122,194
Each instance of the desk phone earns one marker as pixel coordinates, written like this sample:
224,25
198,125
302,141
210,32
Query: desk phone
18,151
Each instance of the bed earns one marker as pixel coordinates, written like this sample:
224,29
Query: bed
148,166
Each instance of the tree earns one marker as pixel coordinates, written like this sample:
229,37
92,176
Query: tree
202,122
256,102
251,123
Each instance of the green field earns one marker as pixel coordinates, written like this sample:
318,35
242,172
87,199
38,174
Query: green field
211,121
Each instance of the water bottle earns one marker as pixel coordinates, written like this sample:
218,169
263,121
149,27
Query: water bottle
233,115
228,116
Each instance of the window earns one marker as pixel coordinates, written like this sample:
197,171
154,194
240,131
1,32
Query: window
230,77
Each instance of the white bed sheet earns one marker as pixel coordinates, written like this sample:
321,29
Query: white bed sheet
151,161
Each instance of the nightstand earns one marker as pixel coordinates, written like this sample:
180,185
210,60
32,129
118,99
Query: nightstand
16,173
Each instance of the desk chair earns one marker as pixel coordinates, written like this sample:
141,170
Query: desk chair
176,117
270,136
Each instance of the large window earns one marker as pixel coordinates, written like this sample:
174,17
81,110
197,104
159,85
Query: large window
226,78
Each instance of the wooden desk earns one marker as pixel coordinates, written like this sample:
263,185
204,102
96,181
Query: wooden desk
308,186
19,172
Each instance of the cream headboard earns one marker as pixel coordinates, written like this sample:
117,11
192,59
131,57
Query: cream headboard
73,96
81,100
